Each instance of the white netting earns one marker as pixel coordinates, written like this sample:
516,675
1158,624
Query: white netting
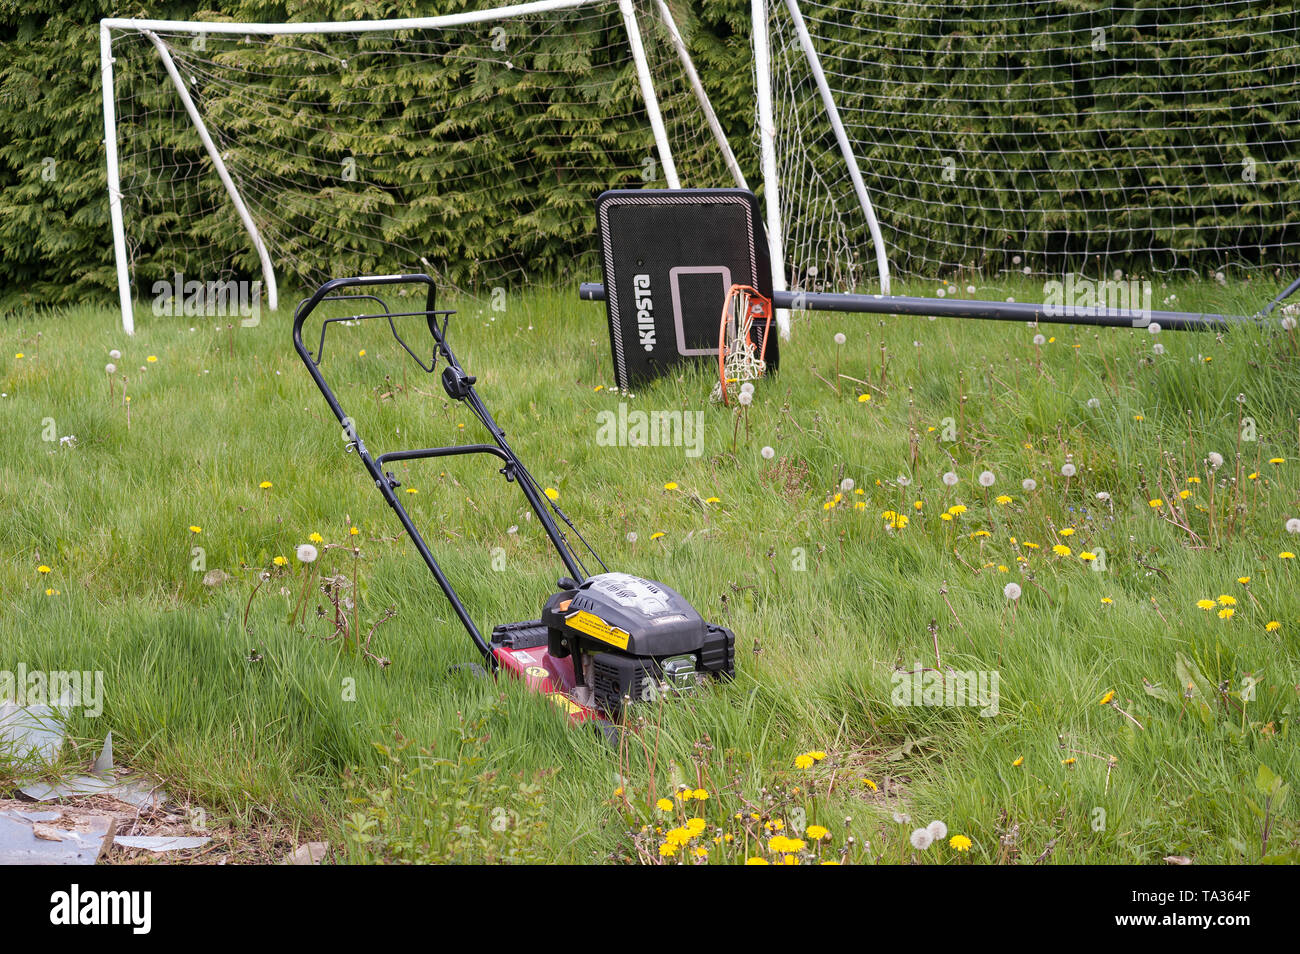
1066,135
479,149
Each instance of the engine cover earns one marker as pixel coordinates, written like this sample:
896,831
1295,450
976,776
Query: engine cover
632,638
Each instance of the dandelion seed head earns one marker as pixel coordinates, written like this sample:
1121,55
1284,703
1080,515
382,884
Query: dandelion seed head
922,839
746,398
767,453
839,338
1029,484
307,553
110,368
846,484
987,478
1094,403
1039,340
1068,470
938,830
1158,348
1215,459
1293,525
115,354
1154,327
1011,591
950,479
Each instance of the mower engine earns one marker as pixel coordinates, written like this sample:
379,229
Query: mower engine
617,637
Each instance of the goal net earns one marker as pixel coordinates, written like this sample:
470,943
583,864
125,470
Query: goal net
1033,136
470,146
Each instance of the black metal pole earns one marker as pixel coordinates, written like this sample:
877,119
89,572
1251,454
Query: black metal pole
989,310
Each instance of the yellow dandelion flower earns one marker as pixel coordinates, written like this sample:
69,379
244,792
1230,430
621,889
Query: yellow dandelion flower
870,784
361,353
50,591
315,538
860,505
1107,600
817,832
959,843
1106,699
1067,531
699,795
1277,460
1286,555
1243,580
1003,569
552,493
656,535
664,805
43,569
1070,761
1226,613
1087,555
411,490
756,861
1061,550
1226,600
713,500
353,531
667,849
671,485
1155,503
803,761
280,561
1002,500
1206,604
864,398
945,516
1193,480
917,505
1018,762
701,852
195,529
152,359
957,509
1272,626
1032,546
818,755
266,485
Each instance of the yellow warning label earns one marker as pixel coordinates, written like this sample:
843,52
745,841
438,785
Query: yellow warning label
537,672
564,702
597,628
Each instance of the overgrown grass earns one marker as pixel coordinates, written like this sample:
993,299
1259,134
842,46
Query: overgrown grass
264,719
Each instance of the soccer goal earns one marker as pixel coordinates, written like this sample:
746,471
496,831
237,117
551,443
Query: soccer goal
1030,137
469,146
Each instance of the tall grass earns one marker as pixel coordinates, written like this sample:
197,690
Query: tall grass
259,719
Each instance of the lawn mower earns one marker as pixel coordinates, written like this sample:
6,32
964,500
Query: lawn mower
602,640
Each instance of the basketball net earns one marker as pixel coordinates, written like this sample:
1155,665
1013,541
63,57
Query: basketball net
739,359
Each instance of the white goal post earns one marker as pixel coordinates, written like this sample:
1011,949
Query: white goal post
254,192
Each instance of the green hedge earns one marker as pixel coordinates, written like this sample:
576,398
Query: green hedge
55,245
